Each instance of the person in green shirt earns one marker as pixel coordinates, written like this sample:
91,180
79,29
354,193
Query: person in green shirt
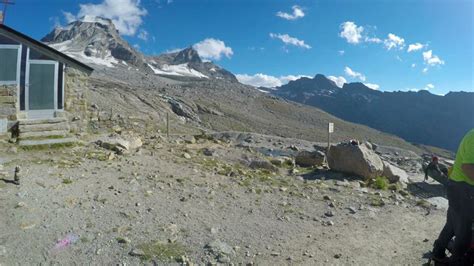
460,216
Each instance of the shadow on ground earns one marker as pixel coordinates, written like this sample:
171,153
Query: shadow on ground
427,190
325,174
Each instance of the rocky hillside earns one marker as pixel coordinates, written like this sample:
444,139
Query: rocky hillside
419,117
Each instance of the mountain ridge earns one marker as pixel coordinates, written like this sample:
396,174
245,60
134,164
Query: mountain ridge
414,116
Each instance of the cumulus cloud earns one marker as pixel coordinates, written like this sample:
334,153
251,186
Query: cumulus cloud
351,32
413,65
125,14
297,13
212,49
143,34
288,40
394,41
338,80
341,52
353,74
372,86
268,81
415,47
431,60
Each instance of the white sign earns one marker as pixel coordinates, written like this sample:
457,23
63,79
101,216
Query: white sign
331,127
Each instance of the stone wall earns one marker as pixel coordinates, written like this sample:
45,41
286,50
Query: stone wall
8,102
76,88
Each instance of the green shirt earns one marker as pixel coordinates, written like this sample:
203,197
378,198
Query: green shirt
465,155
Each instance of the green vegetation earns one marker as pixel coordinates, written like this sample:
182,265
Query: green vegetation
380,182
165,252
67,181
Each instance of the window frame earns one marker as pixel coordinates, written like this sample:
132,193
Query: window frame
18,47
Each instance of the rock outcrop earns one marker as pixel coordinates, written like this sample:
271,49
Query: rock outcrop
309,158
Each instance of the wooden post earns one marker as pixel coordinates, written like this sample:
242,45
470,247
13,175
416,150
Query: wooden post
167,125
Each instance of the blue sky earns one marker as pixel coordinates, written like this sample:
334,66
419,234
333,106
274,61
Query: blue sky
270,42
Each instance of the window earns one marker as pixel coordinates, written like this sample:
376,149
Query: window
9,64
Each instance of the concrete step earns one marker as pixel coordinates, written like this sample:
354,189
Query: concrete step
47,142
7,99
43,134
41,121
43,127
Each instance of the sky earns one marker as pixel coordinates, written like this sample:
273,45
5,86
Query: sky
389,45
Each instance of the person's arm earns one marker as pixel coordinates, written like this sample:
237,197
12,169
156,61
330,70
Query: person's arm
468,169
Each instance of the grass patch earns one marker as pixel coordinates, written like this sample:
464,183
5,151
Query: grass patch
67,181
165,252
380,182
377,202
49,146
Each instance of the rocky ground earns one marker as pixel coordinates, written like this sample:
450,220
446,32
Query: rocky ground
205,200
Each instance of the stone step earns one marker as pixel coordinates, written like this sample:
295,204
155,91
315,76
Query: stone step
43,127
47,142
43,134
41,121
7,99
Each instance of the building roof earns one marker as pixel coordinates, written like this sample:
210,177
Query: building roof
44,49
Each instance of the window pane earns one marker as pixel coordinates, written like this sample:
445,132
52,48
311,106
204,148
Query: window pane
8,64
41,87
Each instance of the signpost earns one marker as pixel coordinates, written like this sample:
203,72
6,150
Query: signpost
330,131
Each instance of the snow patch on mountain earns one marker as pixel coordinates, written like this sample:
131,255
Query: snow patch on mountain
177,70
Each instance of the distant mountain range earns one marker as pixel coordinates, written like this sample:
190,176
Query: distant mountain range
96,41
419,117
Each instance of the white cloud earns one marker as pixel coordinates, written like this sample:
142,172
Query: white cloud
262,80
425,70
125,14
341,52
297,13
351,32
394,41
432,60
372,86
415,47
373,39
143,34
69,17
287,39
429,86
353,74
212,49
413,65
338,80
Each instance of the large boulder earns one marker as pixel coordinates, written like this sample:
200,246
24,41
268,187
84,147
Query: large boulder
355,159
394,174
309,158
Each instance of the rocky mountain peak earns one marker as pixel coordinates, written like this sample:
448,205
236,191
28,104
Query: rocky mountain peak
96,41
188,55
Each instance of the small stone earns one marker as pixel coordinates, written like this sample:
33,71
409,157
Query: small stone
137,252
329,213
186,155
20,204
123,240
283,189
337,256
275,254
352,210
326,197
